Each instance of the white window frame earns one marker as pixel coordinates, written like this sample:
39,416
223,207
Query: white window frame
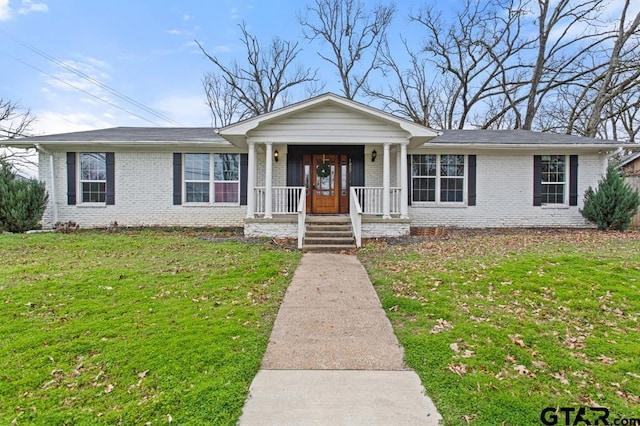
82,181
438,177
564,183
211,181
186,181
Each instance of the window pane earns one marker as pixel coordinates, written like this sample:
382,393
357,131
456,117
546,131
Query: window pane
553,179
94,192
553,194
423,165
226,192
93,166
197,192
225,167
452,165
424,189
451,190
196,167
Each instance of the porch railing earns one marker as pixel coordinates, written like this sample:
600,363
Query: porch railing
302,216
355,212
370,199
284,199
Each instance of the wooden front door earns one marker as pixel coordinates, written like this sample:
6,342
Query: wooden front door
325,177
324,181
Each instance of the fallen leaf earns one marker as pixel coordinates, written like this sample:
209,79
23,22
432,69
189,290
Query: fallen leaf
606,360
454,347
142,374
459,369
109,388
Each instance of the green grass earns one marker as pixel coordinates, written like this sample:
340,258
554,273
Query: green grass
133,328
499,326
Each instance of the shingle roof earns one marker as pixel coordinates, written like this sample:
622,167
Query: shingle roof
515,137
134,134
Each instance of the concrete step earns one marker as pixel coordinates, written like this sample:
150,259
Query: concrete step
330,240
324,233
328,228
326,248
328,219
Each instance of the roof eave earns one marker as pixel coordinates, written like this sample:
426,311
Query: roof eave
595,147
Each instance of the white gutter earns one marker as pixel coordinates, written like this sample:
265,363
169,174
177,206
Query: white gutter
54,204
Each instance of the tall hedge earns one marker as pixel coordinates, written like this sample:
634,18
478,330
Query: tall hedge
22,203
613,204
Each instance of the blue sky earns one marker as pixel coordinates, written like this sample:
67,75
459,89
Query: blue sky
142,49
145,50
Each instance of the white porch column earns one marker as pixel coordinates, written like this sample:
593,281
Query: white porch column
386,182
251,180
268,206
404,184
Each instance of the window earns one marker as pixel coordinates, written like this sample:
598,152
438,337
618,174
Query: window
93,177
196,177
225,177
553,179
437,178
198,170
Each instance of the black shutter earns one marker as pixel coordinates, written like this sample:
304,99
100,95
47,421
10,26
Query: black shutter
409,181
177,178
294,169
357,169
471,188
537,180
111,190
244,170
71,178
573,180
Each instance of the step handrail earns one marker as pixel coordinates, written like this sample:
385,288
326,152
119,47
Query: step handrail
302,216
355,213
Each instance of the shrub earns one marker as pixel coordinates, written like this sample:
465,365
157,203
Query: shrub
613,204
22,203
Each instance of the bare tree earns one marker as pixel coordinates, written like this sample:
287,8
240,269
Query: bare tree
627,71
259,85
225,107
475,53
15,122
409,92
354,35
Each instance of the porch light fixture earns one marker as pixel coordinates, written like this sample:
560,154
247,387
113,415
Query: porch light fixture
276,155
374,154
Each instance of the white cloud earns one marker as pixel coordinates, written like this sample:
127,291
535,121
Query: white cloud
29,6
234,13
93,68
186,17
174,32
5,10
52,122
186,108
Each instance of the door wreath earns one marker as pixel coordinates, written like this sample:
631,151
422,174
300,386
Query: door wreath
323,170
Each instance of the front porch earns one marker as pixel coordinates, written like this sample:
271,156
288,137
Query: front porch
326,156
289,214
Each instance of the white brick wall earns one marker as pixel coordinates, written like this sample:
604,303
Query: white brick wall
504,189
144,196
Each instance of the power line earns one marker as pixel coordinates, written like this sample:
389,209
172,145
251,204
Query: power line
82,90
91,80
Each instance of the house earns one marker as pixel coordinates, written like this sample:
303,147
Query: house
324,156
630,164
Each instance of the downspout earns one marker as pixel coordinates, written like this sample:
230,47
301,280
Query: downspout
54,204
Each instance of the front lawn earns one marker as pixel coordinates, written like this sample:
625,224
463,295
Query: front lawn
148,327
500,325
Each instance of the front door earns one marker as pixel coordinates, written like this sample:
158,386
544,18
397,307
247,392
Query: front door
324,184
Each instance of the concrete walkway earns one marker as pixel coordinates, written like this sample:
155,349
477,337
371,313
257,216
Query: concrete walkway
332,358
